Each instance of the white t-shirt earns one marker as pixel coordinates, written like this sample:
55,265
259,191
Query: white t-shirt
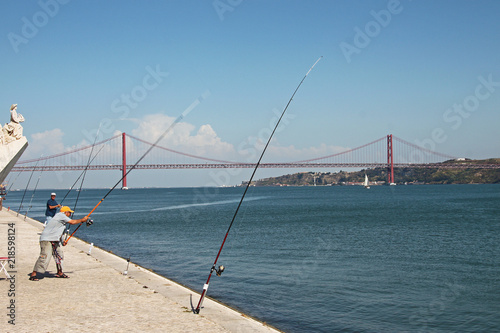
55,228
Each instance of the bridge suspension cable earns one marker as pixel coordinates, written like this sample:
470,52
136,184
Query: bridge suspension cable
117,149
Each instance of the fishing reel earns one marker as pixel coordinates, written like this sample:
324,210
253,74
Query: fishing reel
90,222
219,270
64,237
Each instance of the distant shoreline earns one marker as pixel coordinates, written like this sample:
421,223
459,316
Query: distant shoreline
236,186
460,172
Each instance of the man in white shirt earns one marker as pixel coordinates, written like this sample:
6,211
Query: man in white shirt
50,243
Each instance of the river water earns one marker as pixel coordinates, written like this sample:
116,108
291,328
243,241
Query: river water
315,259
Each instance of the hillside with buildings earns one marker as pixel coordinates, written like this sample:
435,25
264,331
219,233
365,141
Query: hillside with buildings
406,175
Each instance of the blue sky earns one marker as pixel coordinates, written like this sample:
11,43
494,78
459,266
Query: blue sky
389,67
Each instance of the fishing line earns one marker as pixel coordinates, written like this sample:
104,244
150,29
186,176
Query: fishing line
221,268
34,190
176,121
21,204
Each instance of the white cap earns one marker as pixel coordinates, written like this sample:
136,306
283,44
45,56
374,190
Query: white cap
51,194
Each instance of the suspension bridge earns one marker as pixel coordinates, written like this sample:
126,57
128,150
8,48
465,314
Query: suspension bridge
115,152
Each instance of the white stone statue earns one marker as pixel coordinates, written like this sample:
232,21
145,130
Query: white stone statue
13,130
12,143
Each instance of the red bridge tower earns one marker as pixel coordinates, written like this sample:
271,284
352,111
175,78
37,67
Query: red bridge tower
124,162
390,161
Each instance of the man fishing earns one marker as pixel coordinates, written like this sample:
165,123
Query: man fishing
51,210
50,242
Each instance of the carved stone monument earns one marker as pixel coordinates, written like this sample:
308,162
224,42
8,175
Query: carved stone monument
12,143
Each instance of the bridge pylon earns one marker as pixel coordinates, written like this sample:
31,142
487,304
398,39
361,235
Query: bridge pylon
390,161
124,161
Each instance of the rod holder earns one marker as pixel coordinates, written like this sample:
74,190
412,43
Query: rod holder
125,272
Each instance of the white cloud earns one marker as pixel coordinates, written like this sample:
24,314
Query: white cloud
46,143
204,142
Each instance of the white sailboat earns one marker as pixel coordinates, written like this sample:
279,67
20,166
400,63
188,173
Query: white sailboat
365,184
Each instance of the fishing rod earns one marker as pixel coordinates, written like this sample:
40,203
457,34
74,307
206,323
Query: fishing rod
89,221
84,173
34,190
81,174
220,269
86,168
176,121
21,204
12,184
88,163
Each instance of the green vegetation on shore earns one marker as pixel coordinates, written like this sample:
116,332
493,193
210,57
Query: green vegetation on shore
378,176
